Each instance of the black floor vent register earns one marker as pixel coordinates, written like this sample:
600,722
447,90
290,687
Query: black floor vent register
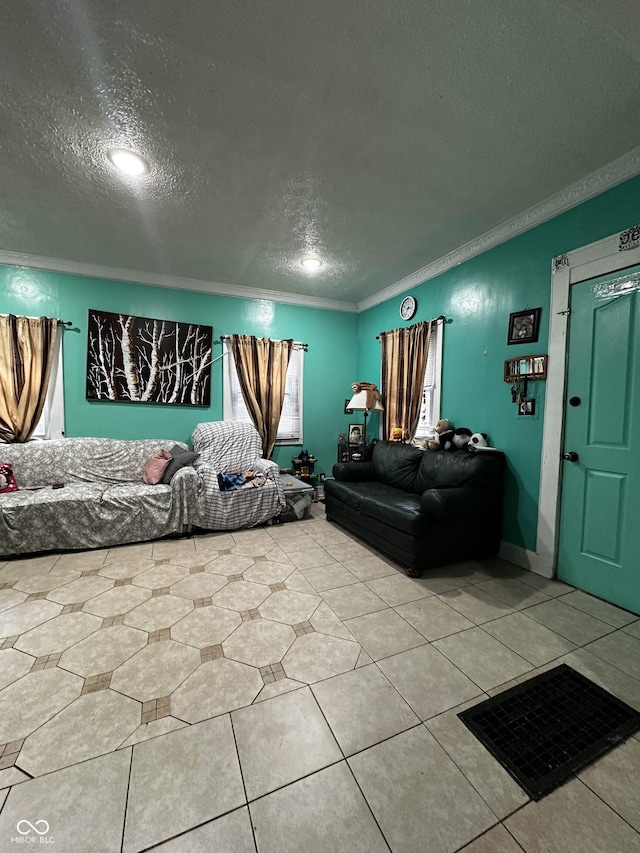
547,728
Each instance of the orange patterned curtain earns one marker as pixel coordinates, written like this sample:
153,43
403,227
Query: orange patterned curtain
404,359
262,365
27,347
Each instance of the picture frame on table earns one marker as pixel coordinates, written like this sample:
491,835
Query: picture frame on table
524,326
355,434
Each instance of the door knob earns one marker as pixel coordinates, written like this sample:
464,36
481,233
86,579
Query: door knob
571,456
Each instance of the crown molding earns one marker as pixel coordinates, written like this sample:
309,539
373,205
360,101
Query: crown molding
625,167
16,259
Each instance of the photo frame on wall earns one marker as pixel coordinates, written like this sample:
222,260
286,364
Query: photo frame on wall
524,326
347,410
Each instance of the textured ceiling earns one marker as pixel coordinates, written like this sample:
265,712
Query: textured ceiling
378,135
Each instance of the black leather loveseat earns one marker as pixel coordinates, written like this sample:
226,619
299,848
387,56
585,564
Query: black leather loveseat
423,508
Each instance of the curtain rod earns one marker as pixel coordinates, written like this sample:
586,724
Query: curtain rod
435,320
58,320
296,344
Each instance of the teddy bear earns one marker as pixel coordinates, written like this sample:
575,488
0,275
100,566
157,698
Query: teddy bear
443,426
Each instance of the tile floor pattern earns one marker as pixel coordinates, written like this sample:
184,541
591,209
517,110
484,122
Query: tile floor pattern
286,689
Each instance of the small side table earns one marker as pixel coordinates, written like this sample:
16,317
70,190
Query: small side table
347,453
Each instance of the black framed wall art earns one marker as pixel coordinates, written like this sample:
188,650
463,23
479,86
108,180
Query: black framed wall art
142,360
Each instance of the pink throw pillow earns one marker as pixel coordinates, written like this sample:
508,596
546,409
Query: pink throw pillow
154,469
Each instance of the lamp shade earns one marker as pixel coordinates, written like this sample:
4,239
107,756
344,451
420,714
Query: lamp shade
359,403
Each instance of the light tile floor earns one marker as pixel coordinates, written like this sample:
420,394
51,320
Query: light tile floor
288,689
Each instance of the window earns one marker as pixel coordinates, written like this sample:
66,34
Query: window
430,409
290,426
51,423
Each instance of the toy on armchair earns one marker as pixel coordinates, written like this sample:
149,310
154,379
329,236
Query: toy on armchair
396,434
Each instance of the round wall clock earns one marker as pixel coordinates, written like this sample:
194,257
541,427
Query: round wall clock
408,307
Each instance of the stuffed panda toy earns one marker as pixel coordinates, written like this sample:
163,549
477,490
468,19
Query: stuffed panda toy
445,439
477,440
461,438
454,439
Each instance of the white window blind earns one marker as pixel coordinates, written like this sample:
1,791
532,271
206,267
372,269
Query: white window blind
430,408
290,426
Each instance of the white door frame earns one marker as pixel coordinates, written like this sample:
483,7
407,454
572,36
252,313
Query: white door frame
614,253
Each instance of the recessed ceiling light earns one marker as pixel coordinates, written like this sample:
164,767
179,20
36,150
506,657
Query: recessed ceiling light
127,161
311,264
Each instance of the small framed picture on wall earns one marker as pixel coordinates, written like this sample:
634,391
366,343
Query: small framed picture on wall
355,433
524,326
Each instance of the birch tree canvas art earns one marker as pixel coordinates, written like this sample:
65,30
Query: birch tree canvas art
140,360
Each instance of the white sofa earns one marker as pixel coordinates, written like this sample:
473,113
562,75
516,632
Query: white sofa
103,501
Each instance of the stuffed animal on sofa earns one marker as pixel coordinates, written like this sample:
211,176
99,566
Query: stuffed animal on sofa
7,479
479,443
446,440
440,428
460,438
478,439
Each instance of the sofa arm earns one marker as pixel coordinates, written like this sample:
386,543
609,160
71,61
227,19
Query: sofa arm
265,466
187,491
208,476
271,470
453,503
187,473
354,472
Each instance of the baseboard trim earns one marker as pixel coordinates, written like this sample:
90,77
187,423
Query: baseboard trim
522,557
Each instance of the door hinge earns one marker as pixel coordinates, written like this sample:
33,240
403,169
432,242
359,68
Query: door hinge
566,311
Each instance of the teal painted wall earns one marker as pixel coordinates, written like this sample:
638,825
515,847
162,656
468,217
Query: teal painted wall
329,367
477,298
